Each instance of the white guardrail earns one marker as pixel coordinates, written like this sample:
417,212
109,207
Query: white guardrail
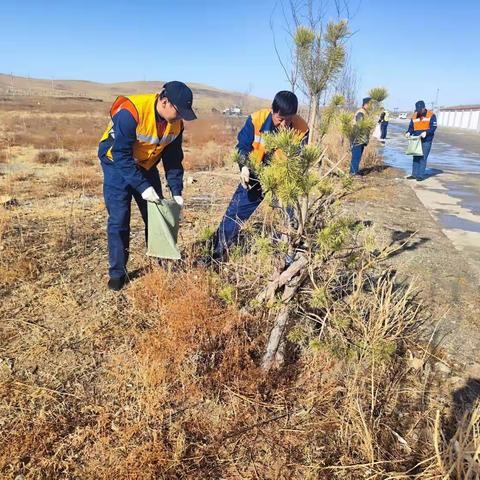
467,119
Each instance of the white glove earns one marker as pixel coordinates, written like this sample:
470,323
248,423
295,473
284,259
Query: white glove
178,199
407,135
244,176
150,195
423,134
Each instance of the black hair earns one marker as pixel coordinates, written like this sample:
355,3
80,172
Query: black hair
285,103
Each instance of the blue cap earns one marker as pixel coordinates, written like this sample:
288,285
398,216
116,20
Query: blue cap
420,105
182,98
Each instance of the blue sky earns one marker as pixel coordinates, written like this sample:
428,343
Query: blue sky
411,47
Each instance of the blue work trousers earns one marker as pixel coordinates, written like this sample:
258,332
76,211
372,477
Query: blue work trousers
118,198
420,163
357,151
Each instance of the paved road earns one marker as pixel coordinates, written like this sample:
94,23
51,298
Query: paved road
452,190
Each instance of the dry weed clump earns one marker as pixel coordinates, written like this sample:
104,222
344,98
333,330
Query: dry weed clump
86,160
15,265
85,180
458,457
4,223
49,157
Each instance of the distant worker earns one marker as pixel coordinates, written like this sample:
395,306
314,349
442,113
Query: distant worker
361,142
383,121
143,130
249,194
423,124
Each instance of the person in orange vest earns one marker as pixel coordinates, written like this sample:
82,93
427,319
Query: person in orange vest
144,130
423,124
249,194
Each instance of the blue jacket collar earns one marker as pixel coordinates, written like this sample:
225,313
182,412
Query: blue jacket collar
268,124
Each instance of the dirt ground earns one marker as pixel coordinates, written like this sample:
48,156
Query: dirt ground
446,283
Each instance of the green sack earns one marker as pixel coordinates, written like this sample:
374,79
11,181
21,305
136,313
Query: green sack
414,147
163,222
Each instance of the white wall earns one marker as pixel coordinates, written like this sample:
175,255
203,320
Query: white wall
467,119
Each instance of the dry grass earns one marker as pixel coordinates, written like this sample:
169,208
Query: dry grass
209,140
4,223
85,180
162,381
459,456
172,390
339,151
55,131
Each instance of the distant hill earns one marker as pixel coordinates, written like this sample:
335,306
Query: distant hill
205,97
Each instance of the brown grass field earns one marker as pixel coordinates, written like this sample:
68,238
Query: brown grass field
162,381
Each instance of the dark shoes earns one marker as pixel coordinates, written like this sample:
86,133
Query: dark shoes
418,179
116,284
210,259
204,261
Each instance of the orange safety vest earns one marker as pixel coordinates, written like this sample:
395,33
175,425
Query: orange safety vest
258,119
148,147
423,123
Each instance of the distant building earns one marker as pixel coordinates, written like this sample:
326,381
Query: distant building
460,116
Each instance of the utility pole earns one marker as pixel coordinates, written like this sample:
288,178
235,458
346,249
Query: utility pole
436,98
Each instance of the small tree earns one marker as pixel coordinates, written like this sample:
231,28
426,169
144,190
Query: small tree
321,56
330,113
293,177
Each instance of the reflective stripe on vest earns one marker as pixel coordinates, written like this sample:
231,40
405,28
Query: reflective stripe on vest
258,120
421,123
149,146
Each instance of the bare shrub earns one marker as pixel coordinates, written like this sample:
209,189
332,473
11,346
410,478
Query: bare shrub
87,180
49,157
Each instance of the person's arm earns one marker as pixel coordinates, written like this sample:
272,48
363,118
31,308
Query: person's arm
172,157
245,140
410,127
125,135
433,125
